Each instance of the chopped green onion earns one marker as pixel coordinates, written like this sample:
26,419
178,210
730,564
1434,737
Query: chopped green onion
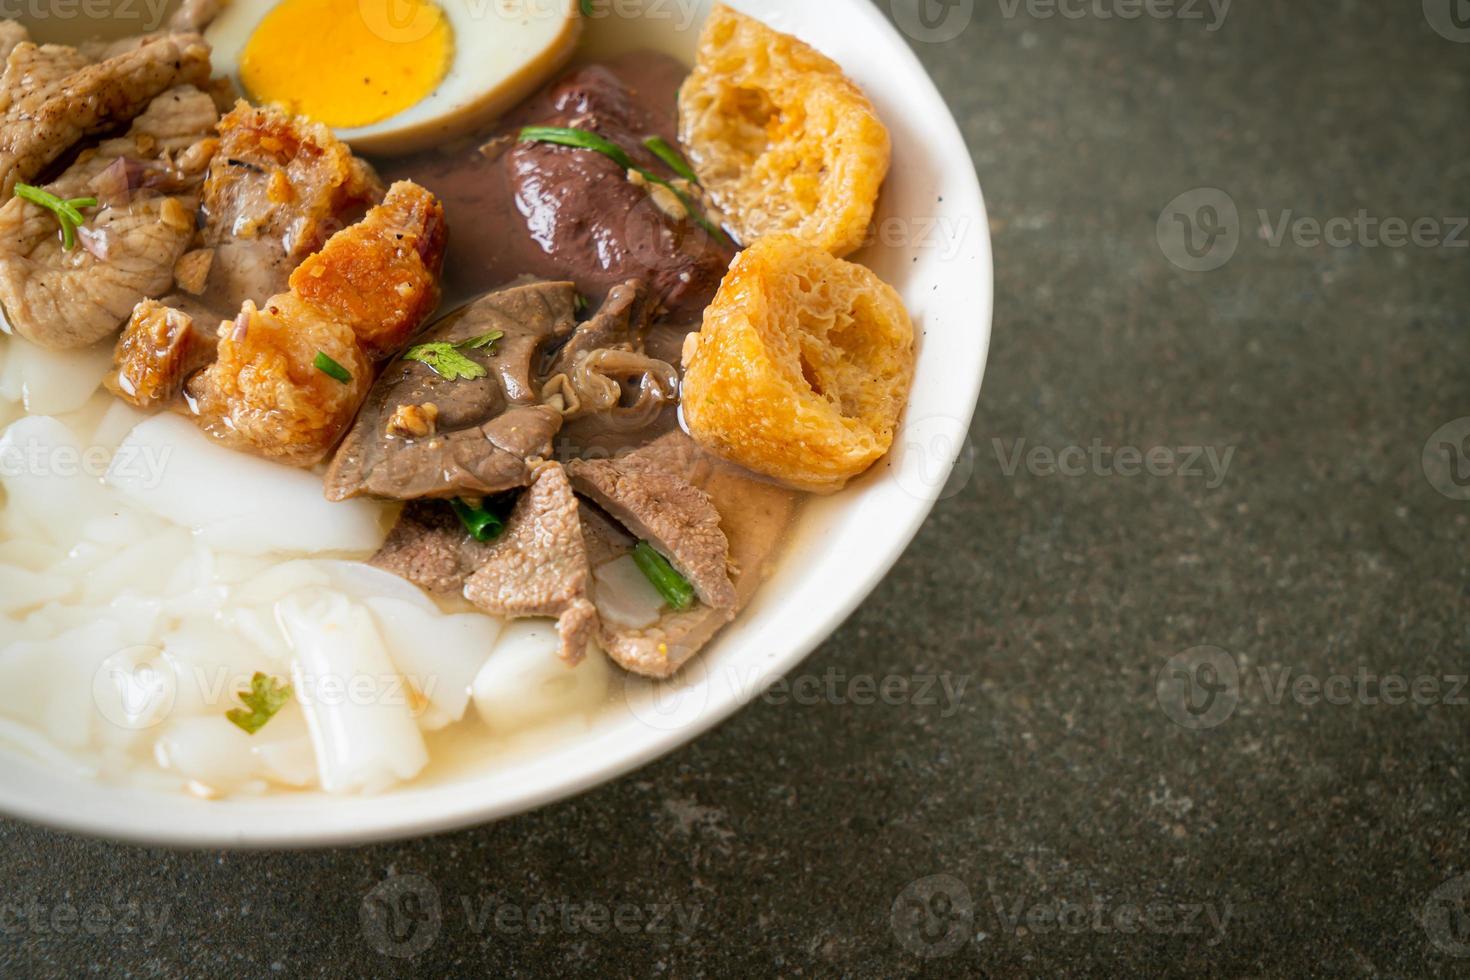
265,697
586,8
484,340
331,368
68,213
483,524
660,148
583,139
674,587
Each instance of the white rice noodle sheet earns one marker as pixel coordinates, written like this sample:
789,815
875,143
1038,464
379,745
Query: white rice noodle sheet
525,684
358,710
235,501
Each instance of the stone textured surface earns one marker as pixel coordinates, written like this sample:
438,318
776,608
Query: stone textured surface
1291,837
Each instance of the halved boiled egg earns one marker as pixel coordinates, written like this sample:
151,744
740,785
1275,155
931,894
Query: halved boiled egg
392,76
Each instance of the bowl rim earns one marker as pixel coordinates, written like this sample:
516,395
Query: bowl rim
443,808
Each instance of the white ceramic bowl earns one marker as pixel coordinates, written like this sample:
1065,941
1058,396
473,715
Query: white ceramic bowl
934,245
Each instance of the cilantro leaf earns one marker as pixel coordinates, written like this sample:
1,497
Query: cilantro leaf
446,361
265,697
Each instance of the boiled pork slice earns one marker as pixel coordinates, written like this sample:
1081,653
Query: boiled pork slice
276,186
128,247
51,97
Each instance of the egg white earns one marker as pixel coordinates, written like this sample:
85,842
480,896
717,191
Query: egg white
503,51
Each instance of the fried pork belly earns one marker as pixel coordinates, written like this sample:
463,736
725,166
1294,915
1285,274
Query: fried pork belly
363,295
282,179
276,190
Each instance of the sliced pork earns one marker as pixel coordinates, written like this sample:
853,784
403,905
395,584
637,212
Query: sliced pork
147,183
50,98
277,187
289,374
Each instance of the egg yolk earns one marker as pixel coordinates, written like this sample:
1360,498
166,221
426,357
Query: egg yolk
347,62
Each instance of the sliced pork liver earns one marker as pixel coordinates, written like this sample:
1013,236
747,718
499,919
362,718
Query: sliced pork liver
488,431
661,507
430,547
539,566
754,516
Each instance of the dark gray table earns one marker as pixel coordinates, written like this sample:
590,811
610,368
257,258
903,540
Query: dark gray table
1212,722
